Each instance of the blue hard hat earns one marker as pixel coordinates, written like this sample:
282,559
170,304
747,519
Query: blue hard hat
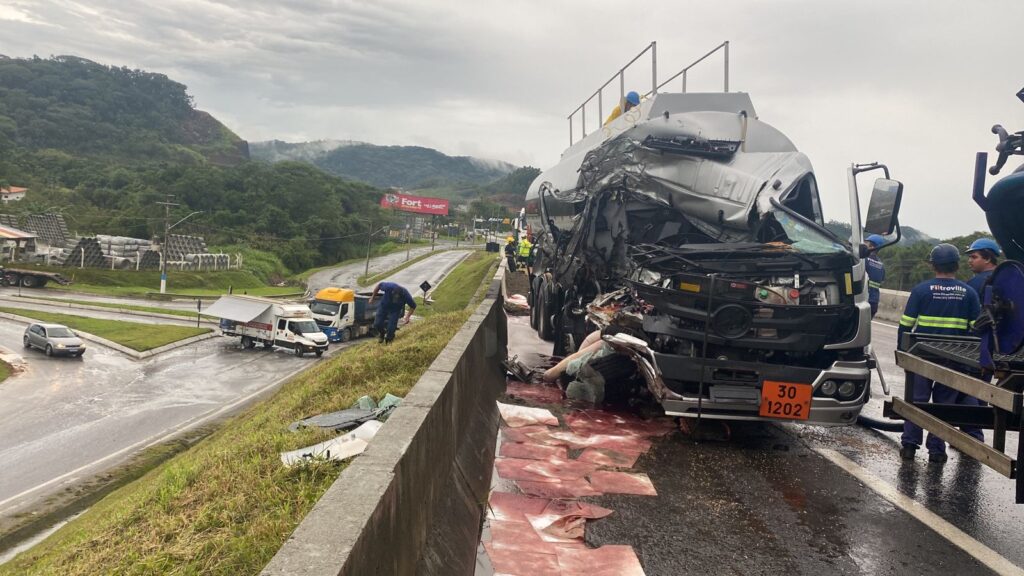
633,98
876,239
984,244
944,254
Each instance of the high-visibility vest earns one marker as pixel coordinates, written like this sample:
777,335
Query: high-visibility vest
524,248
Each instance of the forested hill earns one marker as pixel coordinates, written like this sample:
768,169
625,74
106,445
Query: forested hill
88,109
410,167
102,145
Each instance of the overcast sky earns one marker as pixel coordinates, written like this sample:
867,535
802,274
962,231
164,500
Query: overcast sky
915,84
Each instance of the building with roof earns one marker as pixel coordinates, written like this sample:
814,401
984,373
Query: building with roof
16,243
12,194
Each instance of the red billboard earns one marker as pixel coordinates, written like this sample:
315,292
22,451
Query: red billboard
415,204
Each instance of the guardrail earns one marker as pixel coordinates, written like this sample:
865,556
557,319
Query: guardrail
414,502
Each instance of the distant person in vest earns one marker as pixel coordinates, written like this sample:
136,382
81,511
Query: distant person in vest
394,299
510,253
982,257
942,305
524,252
875,270
632,100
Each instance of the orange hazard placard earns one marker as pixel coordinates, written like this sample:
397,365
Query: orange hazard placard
788,400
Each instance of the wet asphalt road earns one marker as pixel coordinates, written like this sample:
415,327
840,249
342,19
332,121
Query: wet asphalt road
65,420
764,501
428,269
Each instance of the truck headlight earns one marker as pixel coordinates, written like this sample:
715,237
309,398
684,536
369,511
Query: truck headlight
828,387
847,389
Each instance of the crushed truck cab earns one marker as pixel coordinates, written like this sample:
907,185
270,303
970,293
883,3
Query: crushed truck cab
342,314
269,322
697,228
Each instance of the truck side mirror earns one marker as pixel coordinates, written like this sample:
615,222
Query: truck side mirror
884,208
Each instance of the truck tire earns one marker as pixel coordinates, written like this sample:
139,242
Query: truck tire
346,334
248,342
298,350
29,281
267,344
532,301
544,327
12,279
319,352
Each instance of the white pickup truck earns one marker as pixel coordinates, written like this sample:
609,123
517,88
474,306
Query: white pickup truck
271,322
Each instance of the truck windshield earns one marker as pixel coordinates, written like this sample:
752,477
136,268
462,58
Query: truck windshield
803,238
305,327
324,307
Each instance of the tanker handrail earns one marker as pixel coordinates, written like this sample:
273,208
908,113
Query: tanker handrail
620,74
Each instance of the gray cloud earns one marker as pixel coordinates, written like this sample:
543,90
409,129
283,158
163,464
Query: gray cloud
915,84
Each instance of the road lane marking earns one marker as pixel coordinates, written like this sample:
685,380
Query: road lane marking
961,539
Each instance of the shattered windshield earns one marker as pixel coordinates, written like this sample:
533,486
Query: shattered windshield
804,238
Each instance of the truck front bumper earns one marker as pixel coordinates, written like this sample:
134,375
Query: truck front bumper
732,390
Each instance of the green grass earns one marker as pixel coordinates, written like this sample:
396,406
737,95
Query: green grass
226,506
139,337
458,288
5,370
142,282
153,309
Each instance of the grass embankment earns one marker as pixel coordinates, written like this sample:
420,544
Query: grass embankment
142,282
227,505
114,305
458,288
140,337
5,370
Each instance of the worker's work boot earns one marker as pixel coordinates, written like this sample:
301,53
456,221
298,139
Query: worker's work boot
938,457
907,452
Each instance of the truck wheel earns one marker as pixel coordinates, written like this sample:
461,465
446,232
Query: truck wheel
346,334
319,352
12,279
544,328
29,281
532,301
267,344
248,342
298,351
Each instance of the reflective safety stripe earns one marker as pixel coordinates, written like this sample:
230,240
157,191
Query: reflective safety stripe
943,322
874,284
907,321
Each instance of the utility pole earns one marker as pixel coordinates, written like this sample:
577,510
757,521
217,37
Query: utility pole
167,230
369,236
163,248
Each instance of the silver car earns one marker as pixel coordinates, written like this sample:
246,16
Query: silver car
53,339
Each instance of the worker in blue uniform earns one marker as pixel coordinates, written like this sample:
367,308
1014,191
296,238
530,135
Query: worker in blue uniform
394,299
942,305
875,270
982,258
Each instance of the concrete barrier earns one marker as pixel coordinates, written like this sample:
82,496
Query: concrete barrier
414,502
891,304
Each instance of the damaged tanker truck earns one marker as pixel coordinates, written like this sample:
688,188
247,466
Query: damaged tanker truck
696,230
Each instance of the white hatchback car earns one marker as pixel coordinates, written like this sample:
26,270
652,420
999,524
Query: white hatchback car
54,339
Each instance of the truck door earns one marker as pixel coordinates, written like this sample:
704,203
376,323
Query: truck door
344,316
